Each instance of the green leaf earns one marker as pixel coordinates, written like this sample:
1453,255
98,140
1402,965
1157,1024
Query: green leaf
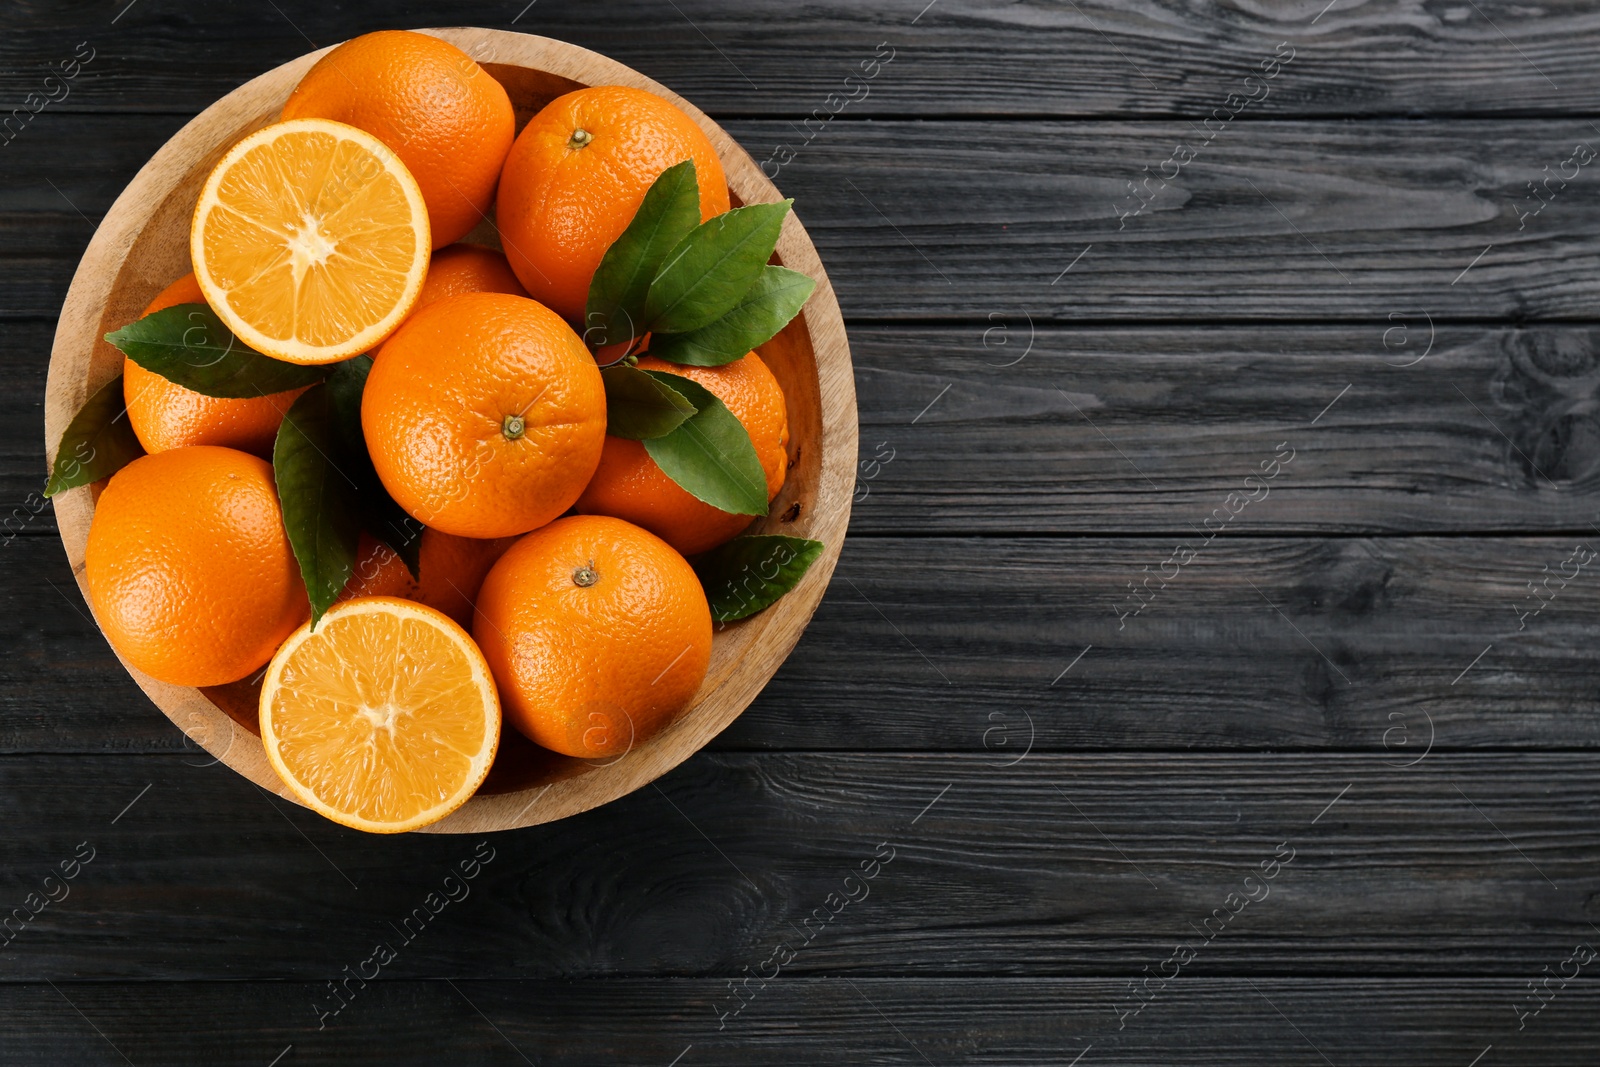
775,298
188,345
709,270
710,455
380,515
669,213
345,385
99,441
639,407
750,573
321,505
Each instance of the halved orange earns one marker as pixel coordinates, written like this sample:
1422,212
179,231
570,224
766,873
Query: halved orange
384,718
310,241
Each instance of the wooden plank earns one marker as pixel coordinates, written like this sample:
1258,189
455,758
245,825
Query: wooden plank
966,644
1009,427
1062,865
1003,428
1275,220
1426,1022
1278,220
1363,643
24,362
950,57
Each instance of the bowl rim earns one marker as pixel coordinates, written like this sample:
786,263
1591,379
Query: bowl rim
767,638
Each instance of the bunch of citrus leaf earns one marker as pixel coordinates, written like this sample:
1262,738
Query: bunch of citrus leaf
700,294
703,295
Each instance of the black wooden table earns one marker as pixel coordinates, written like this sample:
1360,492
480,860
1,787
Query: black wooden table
1209,678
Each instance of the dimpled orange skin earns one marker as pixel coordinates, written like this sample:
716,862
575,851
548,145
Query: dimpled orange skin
164,415
442,407
592,670
450,572
450,123
467,269
189,570
629,485
561,205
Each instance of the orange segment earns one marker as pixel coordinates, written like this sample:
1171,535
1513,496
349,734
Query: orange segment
310,240
384,718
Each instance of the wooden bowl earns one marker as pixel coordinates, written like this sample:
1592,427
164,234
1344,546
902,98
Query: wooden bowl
143,244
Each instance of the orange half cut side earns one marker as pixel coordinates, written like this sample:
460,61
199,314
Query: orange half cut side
310,240
384,718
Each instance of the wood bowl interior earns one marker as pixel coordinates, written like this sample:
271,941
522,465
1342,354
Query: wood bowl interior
142,245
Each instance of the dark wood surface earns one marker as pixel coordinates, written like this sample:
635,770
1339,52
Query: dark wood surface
1059,412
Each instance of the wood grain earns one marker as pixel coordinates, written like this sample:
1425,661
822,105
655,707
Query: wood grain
1426,1022
142,242
1035,57
1000,427
1399,426
1389,562
1310,220
933,644
1274,221
1061,865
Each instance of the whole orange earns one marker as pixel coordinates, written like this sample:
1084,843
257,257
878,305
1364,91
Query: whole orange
597,632
450,123
467,269
189,570
577,175
629,485
449,572
165,415
484,415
